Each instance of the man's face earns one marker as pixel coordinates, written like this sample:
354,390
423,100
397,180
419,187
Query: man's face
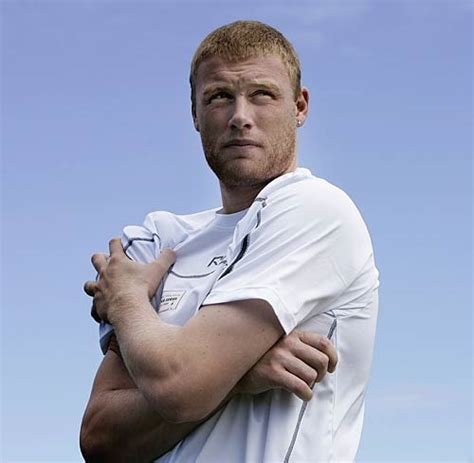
246,114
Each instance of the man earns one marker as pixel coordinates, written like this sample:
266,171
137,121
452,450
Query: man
284,263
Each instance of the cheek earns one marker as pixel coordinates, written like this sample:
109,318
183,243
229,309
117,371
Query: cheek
214,117
280,125
281,117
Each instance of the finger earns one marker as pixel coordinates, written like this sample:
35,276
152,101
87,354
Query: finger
90,288
159,268
322,344
313,358
295,385
163,263
94,313
302,370
115,247
99,261
168,256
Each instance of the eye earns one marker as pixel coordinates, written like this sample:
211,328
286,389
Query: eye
262,92
219,96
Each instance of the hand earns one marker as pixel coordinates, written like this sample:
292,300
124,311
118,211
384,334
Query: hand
122,281
295,363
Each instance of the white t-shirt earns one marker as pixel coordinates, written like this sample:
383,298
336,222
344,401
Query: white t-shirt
303,247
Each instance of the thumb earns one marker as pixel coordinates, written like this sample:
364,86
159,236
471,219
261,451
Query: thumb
163,263
159,267
168,256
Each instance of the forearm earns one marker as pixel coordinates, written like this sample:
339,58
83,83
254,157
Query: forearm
177,385
185,372
120,426
124,428
143,336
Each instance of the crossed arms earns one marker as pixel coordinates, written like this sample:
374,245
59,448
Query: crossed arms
140,409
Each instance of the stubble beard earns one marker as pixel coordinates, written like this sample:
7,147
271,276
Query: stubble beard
276,161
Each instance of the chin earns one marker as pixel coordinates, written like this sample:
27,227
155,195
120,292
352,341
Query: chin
241,177
247,171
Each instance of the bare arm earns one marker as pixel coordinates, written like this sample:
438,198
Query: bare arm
114,391
181,383
119,425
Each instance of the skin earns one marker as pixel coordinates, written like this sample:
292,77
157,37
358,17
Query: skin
249,100
242,340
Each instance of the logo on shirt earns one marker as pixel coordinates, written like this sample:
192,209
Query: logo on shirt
170,300
218,260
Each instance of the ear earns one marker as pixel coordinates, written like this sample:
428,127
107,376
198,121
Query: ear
195,121
302,105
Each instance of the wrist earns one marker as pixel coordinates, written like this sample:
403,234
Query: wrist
125,305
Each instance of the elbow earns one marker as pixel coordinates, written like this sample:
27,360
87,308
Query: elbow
89,445
92,440
90,451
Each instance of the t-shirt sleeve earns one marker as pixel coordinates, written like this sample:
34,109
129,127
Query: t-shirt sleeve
309,245
140,245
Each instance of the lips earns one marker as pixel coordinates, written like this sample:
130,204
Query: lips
241,142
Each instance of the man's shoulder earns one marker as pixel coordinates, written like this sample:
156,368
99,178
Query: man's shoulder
164,219
163,229
308,196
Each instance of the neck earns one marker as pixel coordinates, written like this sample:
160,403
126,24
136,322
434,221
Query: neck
237,198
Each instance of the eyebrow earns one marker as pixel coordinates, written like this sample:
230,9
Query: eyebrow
253,83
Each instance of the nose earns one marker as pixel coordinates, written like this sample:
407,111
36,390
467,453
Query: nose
241,117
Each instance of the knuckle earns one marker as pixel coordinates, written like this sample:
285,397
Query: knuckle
318,360
274,367
323,342
322,368
278,354
325,361
301,389
312,376
277,378
292,342
297,387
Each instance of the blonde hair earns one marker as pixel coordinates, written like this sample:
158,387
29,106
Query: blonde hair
242,40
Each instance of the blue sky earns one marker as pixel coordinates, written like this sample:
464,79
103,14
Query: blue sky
96,132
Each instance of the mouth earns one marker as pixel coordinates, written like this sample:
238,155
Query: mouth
239,143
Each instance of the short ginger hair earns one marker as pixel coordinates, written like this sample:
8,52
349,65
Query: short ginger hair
242,40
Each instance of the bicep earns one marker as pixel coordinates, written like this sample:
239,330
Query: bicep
226,340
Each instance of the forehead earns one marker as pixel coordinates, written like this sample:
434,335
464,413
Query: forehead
216,70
